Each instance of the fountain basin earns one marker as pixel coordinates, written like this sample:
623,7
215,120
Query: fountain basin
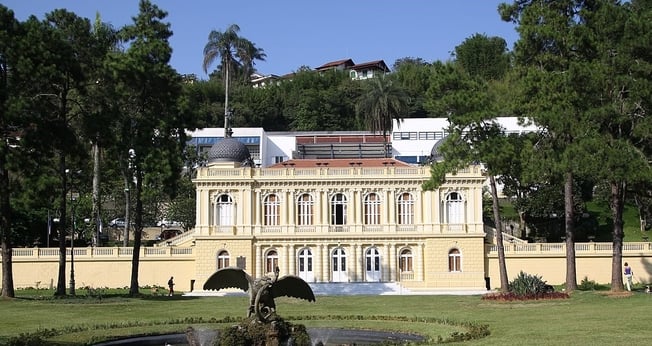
327,336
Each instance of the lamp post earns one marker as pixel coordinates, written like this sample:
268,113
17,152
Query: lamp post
73,197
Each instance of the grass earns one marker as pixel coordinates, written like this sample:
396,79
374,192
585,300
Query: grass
589,317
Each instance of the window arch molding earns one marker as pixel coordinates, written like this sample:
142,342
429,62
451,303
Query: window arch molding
271,206
338,205
454,207
271,260
305,208
454,260
454,195
372,207
406,259
222,211
223,258
405,207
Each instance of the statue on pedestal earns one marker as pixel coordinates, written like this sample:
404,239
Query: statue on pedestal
262,291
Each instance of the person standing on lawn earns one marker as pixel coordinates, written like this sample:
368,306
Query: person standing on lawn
171,286
628,276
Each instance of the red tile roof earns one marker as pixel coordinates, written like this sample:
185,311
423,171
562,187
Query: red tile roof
379,64
306,163
333,64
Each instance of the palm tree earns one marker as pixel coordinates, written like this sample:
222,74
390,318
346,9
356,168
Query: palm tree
233,51
380,103
248,55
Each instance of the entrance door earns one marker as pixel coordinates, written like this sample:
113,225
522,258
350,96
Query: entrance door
339,266
305,265
372,265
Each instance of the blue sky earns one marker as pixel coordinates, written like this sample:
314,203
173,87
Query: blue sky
295,33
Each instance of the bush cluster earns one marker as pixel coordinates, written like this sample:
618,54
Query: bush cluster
527,287
587,285
526,284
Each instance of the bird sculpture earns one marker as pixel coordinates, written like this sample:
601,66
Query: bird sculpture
261,291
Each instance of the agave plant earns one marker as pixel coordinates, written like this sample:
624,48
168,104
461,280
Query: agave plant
526,284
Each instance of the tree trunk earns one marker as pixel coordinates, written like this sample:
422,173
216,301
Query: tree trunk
138,231
97,214
5,225
617,206
61,278
571,271
125,240
504,281
641,212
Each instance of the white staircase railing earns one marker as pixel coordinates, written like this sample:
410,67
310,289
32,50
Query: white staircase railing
491,236
180,239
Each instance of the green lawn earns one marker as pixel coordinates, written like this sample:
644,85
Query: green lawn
586,318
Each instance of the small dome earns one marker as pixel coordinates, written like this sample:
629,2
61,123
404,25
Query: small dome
228,150
435,155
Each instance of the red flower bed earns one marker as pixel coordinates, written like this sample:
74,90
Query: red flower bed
509,296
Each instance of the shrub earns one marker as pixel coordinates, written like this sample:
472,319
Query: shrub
526,284
587,285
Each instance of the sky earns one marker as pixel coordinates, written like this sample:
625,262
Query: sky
296,33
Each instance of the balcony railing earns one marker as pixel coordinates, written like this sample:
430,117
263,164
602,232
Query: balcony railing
580,248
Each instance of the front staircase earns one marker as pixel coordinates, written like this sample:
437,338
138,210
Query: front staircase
352,288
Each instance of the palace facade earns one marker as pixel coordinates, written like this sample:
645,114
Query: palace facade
341,220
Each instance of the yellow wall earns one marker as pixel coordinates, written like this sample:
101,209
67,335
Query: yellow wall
593,261
112,269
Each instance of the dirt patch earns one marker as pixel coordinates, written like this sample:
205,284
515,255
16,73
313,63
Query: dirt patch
615,294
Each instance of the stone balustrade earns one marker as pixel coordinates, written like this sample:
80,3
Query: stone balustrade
580,248
84,253
305,173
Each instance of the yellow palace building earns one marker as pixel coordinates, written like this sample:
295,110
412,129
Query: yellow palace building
339,220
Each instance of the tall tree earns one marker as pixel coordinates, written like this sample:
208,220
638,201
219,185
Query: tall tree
68,42
151,134
618,87
380,103
97,111
474,135
234,52
9,35
413,75
548,53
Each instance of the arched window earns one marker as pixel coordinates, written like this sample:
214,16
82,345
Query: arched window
405,209
304,210
271,261
405,260
454,260
455,208
223,259
224,210
272,213
372,209
338,209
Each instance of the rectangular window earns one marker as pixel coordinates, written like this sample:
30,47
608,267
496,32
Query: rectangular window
272,263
